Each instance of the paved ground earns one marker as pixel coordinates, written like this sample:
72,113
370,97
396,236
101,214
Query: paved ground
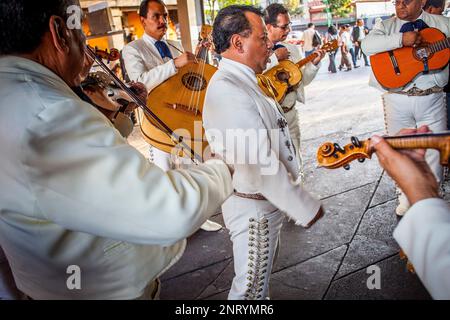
329,260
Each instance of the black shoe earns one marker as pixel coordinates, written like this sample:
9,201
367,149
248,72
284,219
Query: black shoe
348,70
367,65
340,68
356,67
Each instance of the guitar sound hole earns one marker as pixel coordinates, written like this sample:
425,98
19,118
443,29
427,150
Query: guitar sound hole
283,76
194,81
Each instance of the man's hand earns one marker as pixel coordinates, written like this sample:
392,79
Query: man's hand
141,92
407,167
319,56
184,59
282,53
411,39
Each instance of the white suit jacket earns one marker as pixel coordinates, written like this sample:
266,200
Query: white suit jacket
386,36
235,105
424,235
73,192
144,63
309,72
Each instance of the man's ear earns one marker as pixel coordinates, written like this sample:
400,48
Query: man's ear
236,43
142,21
59,33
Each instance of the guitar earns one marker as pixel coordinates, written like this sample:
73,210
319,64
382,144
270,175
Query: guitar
287,74
394,69
178,102
332,156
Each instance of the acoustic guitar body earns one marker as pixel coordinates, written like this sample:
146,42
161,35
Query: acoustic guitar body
395,69
283,76
178,102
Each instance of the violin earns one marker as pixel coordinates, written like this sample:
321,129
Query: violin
111,55
110,96
331,155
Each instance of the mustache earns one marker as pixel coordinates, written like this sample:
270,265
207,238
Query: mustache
164,26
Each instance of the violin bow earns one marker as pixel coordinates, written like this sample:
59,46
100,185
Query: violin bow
169,132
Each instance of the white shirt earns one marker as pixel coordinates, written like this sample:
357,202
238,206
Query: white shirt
386,36
424,235
73,192
362,33
308,35
235,106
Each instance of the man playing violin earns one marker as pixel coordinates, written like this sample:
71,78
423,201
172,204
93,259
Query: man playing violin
422,101
152,60
277,20
74,194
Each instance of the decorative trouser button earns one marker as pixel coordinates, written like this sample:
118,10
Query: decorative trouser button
258,242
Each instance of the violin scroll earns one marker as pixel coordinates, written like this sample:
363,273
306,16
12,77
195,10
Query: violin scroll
332,155
111,55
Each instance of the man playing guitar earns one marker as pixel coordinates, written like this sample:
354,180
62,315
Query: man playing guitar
422,100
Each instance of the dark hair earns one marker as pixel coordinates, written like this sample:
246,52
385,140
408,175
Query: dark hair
143,8
272,11
229,21
332,30
23,23
434,4
310,24
359,20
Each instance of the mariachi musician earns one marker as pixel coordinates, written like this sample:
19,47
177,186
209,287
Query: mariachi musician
152,60
422,100
277,20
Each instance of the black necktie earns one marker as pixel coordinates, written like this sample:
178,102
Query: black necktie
163,49
419,24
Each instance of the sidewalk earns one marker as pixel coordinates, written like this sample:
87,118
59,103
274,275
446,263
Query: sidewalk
329,260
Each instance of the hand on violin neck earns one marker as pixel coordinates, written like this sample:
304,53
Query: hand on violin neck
407,167
184,59
139,90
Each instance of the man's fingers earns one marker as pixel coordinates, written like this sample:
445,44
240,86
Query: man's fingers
424,129
382,148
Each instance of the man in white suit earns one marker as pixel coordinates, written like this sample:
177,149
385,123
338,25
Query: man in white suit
424,232
152,60
422,101
83,214
278,25
249,130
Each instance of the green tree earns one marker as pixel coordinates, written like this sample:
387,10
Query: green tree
294,6
211,12
340,8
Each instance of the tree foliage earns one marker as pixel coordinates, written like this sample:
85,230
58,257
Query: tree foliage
340,8
294,6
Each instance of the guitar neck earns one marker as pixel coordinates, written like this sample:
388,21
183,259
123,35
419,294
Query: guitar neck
304,61
439,45
439,141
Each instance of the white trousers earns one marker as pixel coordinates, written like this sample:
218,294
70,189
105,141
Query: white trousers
255,231
402,111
